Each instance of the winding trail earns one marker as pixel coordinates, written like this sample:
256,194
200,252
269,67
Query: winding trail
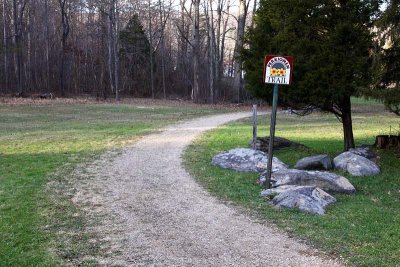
162,217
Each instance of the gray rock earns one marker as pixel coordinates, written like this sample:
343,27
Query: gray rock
272,192
324,180
319,162
363,151
262,143
246,160
305,198
355,165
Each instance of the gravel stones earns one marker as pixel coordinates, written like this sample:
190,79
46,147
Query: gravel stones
319,162
355,165
246,160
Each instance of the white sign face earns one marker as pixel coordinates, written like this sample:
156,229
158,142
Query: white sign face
278,69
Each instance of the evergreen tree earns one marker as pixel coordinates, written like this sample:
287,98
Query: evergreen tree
330,42
387,84
135,52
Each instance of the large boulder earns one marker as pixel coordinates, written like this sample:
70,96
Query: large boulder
355,165
305,198
325,180
246,160
319,162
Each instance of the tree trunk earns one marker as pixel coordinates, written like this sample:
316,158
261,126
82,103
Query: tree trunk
116,56
5,45
196,52
151,52
347,124
18,15
47,46
162,43
110,44
65,32
222,49
237,84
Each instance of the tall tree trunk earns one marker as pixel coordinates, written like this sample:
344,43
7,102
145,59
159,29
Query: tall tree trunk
347,124
253,14
239,46
46,10
18,16
110,45
222,49
151,52
5,45
196,52
116,55
211,50
162,43
65,33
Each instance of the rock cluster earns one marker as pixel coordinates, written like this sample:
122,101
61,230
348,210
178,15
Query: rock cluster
304,187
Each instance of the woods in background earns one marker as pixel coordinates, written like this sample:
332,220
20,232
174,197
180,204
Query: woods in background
107,48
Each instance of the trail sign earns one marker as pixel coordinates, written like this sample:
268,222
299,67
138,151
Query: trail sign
278,69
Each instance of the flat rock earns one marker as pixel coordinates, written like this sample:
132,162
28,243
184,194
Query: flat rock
319,162
262,143
246,160
355,165
325,180
305,198
363,151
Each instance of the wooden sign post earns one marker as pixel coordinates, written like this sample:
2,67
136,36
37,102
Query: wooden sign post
277,70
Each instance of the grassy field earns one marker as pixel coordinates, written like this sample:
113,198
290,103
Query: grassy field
363,228
37,141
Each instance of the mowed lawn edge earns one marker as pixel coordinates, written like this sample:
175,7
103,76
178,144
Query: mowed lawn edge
44,143
363,228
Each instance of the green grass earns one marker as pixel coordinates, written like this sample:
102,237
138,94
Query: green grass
363,228
43,143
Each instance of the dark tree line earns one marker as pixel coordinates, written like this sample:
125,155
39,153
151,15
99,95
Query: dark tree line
108,48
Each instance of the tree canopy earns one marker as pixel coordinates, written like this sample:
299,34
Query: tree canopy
331,43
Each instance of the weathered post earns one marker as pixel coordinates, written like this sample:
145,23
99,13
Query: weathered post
277,70
272,135
254,126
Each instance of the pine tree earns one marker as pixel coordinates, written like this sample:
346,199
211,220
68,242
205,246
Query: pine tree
330,42
134,52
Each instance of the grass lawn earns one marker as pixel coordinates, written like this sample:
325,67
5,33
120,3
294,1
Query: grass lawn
36,142
363,228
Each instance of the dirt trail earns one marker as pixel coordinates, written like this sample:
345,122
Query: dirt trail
155,214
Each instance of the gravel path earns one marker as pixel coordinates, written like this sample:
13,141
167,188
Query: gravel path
155,214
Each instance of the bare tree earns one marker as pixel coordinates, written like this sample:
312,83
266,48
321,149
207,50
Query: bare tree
196,52
65,32
5,44
243,7
18,12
